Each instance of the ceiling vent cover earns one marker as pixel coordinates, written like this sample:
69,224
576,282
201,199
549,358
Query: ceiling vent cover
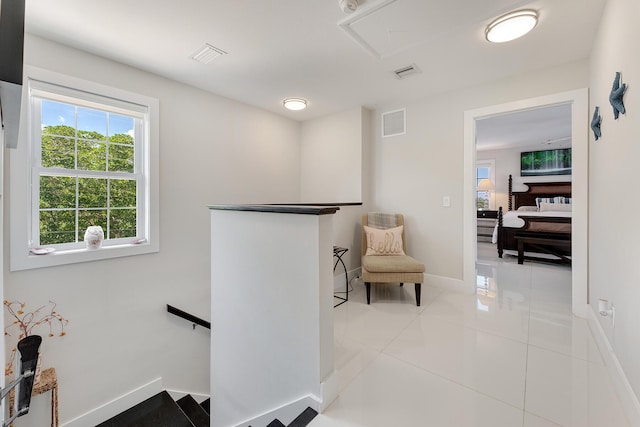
404,72
207,53
394,123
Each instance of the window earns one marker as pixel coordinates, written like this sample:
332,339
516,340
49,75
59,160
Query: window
485,169
88,153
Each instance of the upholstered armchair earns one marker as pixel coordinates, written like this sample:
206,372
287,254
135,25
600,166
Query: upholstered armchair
384,253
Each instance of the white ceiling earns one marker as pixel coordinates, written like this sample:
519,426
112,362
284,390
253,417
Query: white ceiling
284,48
535,129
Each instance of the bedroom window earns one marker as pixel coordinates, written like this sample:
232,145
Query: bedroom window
89,160
485,169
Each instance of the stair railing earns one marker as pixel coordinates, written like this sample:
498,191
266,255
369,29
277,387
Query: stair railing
28,348
188,316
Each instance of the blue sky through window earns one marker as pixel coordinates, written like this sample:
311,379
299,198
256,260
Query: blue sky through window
58,113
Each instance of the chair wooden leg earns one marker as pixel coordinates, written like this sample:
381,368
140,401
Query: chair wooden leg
368,286
418,289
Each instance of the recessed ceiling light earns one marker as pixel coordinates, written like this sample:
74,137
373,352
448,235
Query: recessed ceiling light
511,26
295,104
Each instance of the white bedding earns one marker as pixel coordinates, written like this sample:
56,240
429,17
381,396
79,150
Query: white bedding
512,219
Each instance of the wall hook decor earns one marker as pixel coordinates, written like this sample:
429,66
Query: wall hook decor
595,123
615,98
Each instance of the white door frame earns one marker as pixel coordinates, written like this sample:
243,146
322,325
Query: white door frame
579,100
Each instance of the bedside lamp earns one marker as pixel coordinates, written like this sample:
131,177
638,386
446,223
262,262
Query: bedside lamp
487,186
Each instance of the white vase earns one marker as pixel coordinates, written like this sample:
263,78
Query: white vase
93,237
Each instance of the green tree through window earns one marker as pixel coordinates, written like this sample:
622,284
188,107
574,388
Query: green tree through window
482,197
87,174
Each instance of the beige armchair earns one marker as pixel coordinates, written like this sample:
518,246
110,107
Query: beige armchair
388,268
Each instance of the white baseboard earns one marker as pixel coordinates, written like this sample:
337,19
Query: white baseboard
329,390
285,413
627,396
117,405
446,283
339,281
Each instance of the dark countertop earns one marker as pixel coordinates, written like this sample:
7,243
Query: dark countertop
288,209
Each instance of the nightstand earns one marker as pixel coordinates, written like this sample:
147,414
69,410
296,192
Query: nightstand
486,220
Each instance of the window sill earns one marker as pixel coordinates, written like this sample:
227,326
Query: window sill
28,260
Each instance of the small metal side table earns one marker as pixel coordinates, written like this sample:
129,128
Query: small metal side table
48,381
338,252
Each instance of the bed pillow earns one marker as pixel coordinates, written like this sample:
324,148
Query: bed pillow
384,242
527,209
558,199
555,207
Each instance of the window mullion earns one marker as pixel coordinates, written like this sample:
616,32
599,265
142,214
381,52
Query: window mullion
77,211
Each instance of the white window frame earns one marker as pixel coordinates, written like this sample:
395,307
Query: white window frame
24,172
491,164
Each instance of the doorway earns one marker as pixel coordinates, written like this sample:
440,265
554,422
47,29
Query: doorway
578,100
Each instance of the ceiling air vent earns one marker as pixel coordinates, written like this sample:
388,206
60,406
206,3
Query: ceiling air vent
404,72
393,123
207,53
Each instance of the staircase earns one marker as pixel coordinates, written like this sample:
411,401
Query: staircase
162,411
301,420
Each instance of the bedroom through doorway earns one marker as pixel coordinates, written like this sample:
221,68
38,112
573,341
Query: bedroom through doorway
495,139
506,144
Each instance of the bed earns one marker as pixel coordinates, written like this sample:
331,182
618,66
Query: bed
537,225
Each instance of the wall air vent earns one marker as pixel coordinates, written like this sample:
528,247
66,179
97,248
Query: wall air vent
394,123
207,53
404,72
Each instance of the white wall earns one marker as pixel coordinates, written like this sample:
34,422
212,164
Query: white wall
263,365
330,158
412,172
212,150
613,249
332,170
507,162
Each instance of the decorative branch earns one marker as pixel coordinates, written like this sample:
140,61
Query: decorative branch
26,322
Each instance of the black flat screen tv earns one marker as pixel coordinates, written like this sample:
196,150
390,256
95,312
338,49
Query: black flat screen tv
546,162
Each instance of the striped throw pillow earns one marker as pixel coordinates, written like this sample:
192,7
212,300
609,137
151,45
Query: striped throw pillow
557,199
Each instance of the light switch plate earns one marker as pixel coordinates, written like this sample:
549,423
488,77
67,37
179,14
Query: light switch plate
446,201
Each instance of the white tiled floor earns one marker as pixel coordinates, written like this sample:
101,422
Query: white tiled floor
511,355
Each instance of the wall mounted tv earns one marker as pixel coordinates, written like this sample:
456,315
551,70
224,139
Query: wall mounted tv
546,162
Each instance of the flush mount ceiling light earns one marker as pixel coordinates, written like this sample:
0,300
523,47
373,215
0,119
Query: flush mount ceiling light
295,104
511,26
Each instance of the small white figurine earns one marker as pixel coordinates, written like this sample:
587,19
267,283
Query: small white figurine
93,237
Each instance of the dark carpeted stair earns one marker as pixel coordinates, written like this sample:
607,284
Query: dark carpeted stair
304,418
196,413
206,405
162,411
301,420
157,411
